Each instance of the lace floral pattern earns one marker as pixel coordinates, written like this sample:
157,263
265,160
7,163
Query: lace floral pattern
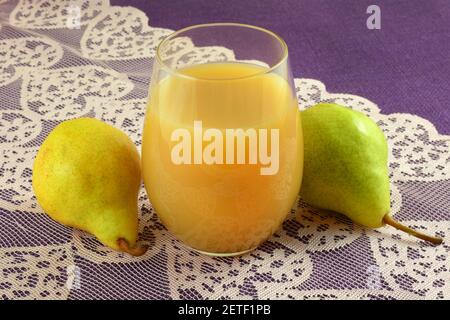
47,77
40,95
28,52
44,14
121,33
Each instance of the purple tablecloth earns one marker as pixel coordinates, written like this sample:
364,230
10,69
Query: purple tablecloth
403,67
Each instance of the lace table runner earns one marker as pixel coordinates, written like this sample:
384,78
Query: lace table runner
58,61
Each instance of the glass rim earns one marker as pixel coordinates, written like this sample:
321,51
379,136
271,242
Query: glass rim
174,34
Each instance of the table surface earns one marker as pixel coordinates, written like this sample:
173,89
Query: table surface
398,76
403,67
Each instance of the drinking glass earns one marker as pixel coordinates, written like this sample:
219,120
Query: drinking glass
222,150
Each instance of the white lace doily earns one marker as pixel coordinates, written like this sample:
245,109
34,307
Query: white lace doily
51,71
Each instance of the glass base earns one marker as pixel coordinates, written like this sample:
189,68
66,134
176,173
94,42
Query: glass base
226,254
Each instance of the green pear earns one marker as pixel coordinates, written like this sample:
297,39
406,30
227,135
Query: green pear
346,166
87,175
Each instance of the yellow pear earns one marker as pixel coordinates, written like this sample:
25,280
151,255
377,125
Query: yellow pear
87,175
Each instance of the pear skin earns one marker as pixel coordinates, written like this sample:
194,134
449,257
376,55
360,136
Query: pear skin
346,166
87,175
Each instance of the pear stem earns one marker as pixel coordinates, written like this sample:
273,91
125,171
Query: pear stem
387,219
136,251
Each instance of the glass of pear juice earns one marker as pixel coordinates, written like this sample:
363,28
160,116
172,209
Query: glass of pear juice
222,150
